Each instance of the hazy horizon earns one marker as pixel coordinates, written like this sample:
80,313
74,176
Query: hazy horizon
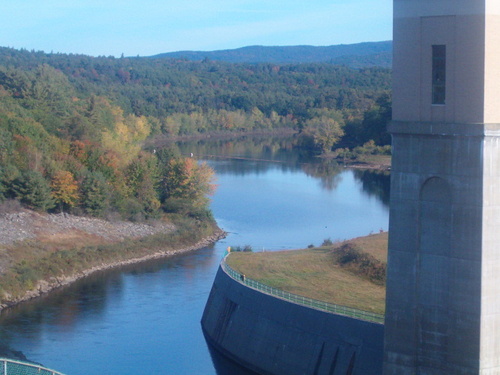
151,27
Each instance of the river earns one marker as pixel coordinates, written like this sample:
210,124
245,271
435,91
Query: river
145,318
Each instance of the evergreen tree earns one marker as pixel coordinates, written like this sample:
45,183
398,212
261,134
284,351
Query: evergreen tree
375,121
95,194
33,190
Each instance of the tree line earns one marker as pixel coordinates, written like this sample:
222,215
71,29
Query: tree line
72,126
186,97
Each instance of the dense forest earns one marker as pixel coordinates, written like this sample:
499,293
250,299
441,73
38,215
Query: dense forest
72,126
356,55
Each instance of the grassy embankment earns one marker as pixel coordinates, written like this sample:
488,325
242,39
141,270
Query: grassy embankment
46,263
351,273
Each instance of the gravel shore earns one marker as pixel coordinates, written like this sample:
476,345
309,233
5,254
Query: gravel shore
25,224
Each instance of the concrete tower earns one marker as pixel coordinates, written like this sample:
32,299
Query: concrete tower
443,287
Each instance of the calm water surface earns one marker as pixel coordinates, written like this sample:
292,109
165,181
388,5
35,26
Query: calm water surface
145,318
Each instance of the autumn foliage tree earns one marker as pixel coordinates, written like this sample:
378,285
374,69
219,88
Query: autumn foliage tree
185,182
142,182
64,189
323,132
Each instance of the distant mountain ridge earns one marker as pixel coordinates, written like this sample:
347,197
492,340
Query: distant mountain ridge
354,55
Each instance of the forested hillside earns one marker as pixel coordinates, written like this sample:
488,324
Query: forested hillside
72,126
352,55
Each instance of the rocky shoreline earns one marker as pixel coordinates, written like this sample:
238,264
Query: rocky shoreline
25,224
29,225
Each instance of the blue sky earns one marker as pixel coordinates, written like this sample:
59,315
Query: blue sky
149,27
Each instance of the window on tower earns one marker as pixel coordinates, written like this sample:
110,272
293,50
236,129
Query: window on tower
438,74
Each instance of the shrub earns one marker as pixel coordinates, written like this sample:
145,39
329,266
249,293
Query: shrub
351,257
27,275
370,148
245,249
344,153
327,242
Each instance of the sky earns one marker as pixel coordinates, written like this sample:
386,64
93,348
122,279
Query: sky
150,27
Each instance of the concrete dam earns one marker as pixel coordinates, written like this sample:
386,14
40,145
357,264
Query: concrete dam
274,336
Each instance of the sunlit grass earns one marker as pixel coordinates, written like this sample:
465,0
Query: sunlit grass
314,273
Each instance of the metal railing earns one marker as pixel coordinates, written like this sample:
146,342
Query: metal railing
301,300
14,367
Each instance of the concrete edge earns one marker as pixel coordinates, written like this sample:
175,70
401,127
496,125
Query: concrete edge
444,129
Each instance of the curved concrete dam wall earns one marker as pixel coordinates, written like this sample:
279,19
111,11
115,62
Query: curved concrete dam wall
273,336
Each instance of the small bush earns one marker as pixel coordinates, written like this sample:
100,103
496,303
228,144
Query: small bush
27,275
245,249
370,148
327,242
344,153
351,257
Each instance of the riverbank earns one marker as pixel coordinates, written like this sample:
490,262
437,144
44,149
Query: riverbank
163,140
363,161
43,252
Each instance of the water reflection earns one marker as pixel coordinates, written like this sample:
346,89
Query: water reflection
246,154
275,148
375,183
327,171
225,366
257,155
